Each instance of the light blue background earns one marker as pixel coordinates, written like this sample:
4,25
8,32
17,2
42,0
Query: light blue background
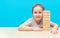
15,12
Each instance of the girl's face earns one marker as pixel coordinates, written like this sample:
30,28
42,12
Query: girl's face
37,13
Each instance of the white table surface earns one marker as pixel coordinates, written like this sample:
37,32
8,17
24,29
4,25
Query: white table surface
14,33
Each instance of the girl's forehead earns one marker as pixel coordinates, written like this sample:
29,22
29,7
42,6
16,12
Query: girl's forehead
38,8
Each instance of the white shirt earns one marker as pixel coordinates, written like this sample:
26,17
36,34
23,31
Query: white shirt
32,22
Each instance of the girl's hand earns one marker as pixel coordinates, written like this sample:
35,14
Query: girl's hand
54,31
37,29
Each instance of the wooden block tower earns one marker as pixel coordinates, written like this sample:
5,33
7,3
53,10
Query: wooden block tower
46,20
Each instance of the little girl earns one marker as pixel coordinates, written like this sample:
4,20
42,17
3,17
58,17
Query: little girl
35,23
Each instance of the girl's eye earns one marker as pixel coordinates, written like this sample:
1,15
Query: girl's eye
39,12
35,12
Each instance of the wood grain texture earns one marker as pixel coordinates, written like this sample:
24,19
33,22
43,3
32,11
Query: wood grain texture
46,20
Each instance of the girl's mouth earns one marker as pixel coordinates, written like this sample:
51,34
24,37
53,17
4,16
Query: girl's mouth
38,17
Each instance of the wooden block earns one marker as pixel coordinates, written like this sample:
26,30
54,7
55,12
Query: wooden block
46,20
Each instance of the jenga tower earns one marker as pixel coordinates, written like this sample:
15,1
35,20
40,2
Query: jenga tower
46,20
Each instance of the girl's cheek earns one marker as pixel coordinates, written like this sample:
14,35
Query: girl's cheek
41,15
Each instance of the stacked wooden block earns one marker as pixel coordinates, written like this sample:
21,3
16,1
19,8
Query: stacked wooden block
46,20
